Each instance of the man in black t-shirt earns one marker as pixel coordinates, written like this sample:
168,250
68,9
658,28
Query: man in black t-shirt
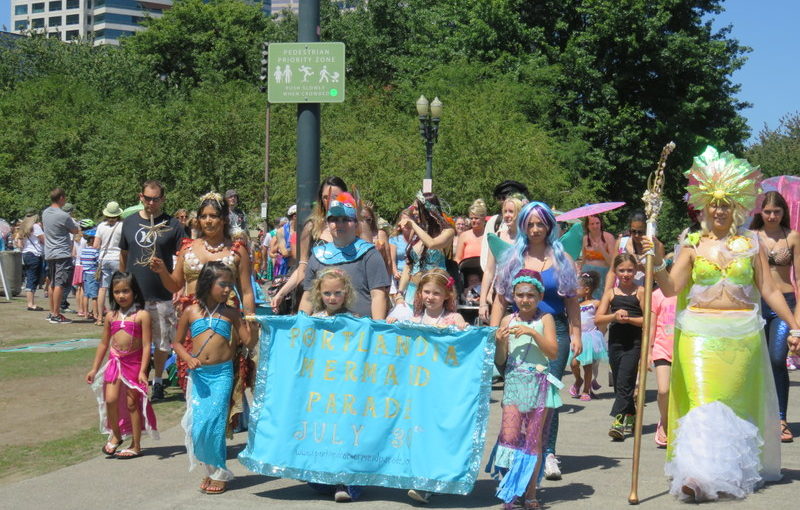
136,247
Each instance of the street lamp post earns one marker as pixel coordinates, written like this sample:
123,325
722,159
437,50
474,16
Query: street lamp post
429,115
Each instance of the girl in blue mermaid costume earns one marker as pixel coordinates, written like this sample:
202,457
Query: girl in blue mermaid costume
210,379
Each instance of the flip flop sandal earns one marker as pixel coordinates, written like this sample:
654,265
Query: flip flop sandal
215,489
35,309
99,322
204,483
128,453
585,397
786,434
110,448
573,391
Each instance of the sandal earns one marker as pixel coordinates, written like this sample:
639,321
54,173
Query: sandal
215,488
91,318
573,391
98,322
532,504
128,453
204,483
111,448
35,309
786,433
585,397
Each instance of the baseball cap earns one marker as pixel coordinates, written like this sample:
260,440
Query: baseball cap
68,208
343,205
231,193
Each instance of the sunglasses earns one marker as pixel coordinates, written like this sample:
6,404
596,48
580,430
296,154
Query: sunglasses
150,199
635,232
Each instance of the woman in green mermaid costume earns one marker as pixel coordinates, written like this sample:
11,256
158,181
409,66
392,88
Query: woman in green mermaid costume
723,411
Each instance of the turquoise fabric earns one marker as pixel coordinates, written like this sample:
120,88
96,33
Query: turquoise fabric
217,325
209,398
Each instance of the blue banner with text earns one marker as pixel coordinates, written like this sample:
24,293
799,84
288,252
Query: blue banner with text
352,401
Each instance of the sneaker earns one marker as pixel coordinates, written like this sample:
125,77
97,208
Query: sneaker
617,430
341,495
419,496
59,319
158,392
630,421
49,316
551,469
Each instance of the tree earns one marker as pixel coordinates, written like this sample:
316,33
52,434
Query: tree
777,151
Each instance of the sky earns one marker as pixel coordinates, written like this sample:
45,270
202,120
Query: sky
770,77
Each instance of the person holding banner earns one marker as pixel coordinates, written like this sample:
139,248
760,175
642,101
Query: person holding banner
723,410
351,254
526,344
537,247
210,322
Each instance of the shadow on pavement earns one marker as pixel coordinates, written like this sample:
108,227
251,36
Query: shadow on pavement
789,476
569,492
574,464
165,452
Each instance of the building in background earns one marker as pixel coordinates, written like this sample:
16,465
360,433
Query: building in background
103,20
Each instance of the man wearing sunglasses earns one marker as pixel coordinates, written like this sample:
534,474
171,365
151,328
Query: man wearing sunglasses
358,258
138,243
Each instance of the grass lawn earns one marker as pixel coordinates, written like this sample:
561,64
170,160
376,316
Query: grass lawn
21,365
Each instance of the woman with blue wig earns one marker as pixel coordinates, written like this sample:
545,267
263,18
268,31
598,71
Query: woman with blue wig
537,248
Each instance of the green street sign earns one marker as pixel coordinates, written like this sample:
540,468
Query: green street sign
306,72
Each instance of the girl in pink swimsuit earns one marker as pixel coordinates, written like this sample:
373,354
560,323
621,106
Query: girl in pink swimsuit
120,385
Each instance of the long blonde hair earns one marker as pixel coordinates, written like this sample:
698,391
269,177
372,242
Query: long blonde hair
26,226
317,304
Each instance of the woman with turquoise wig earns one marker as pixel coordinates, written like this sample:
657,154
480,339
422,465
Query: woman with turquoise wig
724,425
536,247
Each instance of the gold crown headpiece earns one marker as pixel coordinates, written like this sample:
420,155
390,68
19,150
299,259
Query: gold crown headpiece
212,195
716,177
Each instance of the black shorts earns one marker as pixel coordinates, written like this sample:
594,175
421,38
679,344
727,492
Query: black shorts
662,363
60,272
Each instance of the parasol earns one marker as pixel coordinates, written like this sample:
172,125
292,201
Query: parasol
589,210
132,209
789,187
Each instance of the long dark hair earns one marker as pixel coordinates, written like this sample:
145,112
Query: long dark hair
771,198
221,206
586,229
208,275
317,218
119,276
428,216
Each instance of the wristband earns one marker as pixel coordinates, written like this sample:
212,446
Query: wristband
661,266
795,333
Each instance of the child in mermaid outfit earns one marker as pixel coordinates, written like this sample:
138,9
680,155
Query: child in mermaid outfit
594,346
526,342
210,379
120,385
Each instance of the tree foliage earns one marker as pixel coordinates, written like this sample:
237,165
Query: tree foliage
777,150
574,98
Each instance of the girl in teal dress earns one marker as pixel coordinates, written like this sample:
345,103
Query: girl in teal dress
526,342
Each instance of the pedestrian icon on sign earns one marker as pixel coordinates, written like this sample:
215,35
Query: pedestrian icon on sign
324,75
287,74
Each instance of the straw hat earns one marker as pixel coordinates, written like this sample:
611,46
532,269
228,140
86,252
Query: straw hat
112,210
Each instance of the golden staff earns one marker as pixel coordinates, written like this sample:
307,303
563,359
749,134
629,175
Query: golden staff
652,203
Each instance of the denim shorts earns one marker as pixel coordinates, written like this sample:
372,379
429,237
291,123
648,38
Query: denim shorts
33,267
90,285
109,267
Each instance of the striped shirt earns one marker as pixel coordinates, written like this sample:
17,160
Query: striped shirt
89,257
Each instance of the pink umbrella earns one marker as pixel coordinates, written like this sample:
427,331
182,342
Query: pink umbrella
789,187
589,210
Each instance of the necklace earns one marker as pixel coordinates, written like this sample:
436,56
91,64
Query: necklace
425,315
214,249
123,315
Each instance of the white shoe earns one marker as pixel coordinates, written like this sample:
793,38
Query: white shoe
551,469
341,495
419,496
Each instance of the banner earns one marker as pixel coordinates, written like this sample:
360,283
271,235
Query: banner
351,401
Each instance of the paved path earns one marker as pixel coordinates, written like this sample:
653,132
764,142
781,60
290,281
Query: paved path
596,475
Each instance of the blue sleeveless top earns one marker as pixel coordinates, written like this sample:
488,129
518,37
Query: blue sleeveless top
217,325
552,302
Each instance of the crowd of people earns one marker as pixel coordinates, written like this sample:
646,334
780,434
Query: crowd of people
723,312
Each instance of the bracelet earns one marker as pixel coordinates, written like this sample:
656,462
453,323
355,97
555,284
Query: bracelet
661,266
795,333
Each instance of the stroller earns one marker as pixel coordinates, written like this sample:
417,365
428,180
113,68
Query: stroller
469,298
